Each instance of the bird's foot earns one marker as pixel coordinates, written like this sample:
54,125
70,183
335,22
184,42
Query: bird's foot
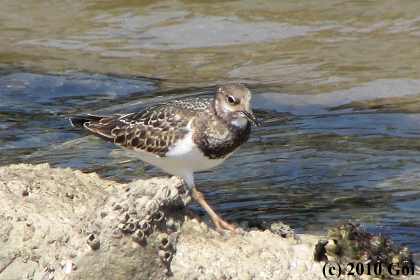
222,224
218,222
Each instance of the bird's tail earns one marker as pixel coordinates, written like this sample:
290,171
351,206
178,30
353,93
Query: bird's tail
80,120
100,126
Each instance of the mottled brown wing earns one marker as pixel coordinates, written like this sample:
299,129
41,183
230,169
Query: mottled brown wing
155,129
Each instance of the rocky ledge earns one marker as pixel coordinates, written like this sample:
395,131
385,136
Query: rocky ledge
64,224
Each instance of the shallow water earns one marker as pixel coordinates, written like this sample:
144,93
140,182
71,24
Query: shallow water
336,88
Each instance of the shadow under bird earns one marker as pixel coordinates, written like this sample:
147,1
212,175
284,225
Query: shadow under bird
182,136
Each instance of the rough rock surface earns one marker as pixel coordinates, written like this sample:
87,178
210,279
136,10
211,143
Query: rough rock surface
63,224
60,223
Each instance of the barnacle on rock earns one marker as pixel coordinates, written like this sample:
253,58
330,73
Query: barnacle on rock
94,242
165,256
350,243
144,225
320,251
138,236
117,207
158,216
163,192
152,206
130,227
132,224
164,242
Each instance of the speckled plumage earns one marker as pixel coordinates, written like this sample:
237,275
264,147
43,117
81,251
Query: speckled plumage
157,129
182,136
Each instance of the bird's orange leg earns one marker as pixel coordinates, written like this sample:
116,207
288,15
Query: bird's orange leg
218,222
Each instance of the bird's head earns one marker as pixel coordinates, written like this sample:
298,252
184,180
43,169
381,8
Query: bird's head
232,102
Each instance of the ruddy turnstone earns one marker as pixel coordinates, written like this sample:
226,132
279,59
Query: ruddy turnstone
182,136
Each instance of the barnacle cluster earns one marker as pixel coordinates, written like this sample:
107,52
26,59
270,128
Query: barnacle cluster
150,214
349,243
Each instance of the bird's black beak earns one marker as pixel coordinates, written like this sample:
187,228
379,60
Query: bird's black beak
251,118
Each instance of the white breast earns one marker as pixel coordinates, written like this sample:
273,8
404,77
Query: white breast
181,160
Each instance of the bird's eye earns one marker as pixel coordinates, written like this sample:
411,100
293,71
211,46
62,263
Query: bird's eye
231,99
